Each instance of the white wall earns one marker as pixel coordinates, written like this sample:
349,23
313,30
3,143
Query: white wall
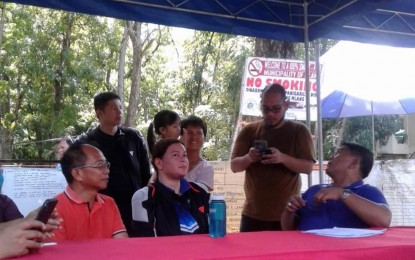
408,147
410,130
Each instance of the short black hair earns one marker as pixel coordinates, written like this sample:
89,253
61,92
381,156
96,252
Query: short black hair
365,156
72,158
101,99
275,88
194,121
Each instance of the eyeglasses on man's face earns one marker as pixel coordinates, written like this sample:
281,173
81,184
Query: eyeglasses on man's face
273,109
98,165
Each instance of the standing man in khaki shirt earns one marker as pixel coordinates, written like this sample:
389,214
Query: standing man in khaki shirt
271,178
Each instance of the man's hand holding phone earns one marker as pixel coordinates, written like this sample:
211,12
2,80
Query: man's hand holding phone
47,215
46,210
261,150
262,147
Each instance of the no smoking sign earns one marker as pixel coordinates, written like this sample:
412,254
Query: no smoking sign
255,67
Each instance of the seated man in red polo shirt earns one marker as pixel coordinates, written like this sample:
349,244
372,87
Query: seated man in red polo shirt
87,214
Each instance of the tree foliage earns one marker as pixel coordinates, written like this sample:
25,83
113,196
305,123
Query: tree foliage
52,63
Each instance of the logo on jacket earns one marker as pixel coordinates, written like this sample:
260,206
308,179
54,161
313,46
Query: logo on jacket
202,209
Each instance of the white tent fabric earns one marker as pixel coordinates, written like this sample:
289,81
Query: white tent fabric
367,71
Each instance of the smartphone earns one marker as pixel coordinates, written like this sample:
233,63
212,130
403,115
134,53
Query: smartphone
261,146
268,151
46,210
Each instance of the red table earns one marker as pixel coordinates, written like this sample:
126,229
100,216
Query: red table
396,244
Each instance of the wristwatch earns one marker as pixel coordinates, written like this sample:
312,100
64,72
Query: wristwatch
346,193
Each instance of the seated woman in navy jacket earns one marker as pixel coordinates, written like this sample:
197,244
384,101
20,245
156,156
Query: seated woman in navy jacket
171,206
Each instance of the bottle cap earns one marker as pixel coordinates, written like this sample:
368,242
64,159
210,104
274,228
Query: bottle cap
217,197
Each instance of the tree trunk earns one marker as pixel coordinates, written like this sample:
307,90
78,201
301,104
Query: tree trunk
121,65
5,136
198,88
58,82
341,132
3,13
5,140
7,127
110,87
135,36
39,136
274,49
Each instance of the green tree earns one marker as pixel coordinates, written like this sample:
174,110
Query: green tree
52,63
148,70
210,82
359,130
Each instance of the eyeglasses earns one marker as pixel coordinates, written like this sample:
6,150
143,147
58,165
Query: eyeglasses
99,165
273,109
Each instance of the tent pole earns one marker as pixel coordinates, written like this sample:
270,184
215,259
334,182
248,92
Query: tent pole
307,74
307,64
373,133
319,122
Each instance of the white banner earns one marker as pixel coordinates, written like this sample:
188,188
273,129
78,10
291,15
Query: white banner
29,187
290,74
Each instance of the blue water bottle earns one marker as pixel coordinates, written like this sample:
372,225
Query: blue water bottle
217,216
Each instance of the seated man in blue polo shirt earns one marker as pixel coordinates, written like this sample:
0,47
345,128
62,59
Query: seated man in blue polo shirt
347,202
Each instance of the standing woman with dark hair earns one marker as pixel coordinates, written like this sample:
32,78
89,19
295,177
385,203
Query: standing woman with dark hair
166,125
200,170
60,148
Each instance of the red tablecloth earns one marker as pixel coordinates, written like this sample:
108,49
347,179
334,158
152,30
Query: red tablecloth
396,244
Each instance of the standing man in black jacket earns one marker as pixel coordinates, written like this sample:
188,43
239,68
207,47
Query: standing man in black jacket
124,148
